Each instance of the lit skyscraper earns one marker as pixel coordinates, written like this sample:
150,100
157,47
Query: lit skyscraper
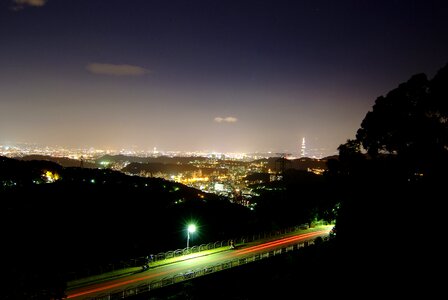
303,148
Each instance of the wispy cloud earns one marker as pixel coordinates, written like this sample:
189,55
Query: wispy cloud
116,70
226,120
20,4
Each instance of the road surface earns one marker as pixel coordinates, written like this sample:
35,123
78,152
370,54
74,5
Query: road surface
183,266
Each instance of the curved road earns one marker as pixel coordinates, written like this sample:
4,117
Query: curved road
160,272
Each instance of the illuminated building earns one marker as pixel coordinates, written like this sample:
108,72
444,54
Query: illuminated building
303,148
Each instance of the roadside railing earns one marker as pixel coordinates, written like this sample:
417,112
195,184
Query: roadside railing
194,273
219,244
160,257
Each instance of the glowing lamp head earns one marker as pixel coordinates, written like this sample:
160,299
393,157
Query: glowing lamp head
191,228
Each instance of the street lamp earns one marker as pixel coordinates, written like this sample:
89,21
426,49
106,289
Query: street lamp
191,228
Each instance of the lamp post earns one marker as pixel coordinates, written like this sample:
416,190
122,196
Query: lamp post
191,228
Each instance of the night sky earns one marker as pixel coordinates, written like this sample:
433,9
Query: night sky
216,75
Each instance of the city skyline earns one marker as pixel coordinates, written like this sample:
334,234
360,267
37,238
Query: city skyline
227,76
24,149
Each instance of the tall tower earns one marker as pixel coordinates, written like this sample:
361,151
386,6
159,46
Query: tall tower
303,148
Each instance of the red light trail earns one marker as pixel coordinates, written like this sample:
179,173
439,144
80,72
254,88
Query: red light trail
111,286
279,242
235,254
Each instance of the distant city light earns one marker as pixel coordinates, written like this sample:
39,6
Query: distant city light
223,174
50,177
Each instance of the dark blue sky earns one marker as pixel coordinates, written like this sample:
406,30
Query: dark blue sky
207,75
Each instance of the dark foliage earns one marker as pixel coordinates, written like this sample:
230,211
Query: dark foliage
411,123
300,197
393,195
91,217
258,177
153,168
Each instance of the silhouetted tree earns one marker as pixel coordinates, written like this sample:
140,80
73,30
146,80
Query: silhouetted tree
351,149
409,123
396,177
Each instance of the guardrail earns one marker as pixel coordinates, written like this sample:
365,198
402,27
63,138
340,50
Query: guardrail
194,273
137,262
238,241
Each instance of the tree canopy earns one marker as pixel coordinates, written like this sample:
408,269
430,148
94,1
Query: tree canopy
409,123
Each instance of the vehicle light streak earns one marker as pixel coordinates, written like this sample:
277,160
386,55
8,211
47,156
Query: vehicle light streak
280,242
99,287
111,286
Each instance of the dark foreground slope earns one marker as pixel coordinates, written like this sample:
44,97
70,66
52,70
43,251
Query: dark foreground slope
57,220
